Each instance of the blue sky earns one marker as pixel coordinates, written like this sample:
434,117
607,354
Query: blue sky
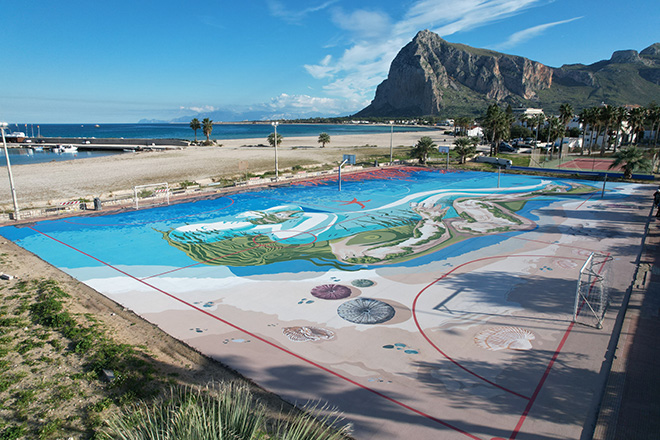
122,61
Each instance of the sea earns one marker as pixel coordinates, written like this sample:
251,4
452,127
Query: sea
183,130
20,156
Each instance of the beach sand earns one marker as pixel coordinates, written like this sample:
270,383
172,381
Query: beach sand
48,183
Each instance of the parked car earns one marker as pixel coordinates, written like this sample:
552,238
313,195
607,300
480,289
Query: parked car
506,148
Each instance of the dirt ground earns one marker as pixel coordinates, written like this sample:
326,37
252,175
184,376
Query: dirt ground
48,183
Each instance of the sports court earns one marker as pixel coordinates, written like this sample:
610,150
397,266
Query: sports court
420,303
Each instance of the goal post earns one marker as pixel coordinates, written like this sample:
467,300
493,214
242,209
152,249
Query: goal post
151,195
591,292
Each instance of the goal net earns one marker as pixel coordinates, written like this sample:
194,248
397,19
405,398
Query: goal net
151,195
591,293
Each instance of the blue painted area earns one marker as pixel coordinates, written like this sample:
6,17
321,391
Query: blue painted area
318,212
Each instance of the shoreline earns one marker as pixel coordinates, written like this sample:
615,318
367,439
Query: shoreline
51,182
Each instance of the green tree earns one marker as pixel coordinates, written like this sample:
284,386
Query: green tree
195,125
324,138
632,159
537,121
555,130
635,121
497,125
653,115
591,118
606,115
619,117
462,124
464,146
422,149
271,139
565,116
207,128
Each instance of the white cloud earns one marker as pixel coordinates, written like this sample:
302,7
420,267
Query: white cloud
199,109
305,104
376,39
278,9
362,23
529,33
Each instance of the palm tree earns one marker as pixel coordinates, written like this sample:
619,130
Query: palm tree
619,116
653,115
271,139
606,117
538,120
497,125
195,125
464,147
635,120
565,116
632,159
462,123
583,118
594,128
207,128
555,130
324,138
422,149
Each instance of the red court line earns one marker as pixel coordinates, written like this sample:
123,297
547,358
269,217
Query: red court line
449,358
257,337
528,408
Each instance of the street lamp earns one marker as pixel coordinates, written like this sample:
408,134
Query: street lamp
4,125
275,124
391,139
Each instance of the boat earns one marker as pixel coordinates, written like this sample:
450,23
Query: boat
65,149
15,137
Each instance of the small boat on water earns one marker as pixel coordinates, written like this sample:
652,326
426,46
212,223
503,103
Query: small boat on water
65,149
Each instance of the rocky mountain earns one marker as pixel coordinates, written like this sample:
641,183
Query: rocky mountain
431,76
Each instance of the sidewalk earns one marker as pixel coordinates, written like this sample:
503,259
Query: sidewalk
630,408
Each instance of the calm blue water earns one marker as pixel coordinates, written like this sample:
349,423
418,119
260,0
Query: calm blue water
25,156
183,130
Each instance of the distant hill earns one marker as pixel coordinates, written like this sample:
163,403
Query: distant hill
431,76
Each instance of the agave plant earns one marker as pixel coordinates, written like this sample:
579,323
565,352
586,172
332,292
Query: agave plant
314,423
224,412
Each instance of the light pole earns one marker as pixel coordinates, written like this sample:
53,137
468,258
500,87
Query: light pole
391,139
277,175
4,125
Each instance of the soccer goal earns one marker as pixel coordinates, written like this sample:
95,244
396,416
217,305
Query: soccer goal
151,195
591,293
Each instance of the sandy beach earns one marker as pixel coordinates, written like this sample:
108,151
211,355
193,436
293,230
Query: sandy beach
49,183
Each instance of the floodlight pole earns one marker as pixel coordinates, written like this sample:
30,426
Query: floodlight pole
277,175
339,170
4,125
391,141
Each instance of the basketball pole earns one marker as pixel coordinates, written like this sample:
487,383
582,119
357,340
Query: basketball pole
4,125
339,170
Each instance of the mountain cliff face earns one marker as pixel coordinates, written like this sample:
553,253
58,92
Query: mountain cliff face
431,76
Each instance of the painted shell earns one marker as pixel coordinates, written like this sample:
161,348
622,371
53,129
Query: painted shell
501,338
362,283
304,334
366,311
331,291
